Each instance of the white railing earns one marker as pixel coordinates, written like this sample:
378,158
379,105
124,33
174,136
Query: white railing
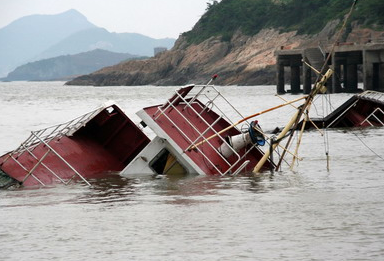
373,95
375,115
209,98
44,136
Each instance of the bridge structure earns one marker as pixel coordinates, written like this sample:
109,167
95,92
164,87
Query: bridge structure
347,61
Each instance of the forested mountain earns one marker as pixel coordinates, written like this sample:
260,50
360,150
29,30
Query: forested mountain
304,16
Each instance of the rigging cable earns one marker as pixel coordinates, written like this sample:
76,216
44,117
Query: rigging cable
326,138
326,100
367,146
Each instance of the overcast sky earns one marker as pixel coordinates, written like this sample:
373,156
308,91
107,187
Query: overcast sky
154,18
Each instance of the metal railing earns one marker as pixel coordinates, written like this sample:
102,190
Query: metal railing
374,115
44,136
372,95
56,131
206,98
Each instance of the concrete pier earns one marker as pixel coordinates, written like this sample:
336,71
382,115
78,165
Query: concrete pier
346,62
307,78
295,79
291,59
373,60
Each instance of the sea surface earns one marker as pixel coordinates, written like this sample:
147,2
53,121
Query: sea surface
308,213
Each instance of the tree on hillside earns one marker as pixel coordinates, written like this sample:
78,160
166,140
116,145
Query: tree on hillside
306,17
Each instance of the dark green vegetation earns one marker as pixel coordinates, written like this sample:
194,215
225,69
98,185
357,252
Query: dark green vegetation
306,16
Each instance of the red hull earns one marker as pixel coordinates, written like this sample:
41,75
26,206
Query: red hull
363,110
185,124
107,142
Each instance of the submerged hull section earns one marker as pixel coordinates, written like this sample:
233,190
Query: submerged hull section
184,121
362,110
101,141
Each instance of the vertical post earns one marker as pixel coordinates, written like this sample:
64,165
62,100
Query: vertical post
295,79
375,76
307,79
280,78
367,70
352,78
381,77
336,85
345,75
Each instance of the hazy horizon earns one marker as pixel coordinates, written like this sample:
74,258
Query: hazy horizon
153,18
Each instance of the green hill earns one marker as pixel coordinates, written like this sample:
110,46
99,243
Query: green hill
307,17
238,38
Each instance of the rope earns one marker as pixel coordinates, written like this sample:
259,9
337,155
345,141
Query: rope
337,39
319,85
277,150
368,146
325,102
326,137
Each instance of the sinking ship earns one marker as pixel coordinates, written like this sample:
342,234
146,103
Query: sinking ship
193,136
97,142
361,110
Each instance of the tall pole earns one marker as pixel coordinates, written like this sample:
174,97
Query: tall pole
319,87
292,124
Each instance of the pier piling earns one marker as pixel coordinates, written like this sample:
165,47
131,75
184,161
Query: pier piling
347,61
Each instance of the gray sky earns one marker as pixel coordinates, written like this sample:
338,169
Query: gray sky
154,18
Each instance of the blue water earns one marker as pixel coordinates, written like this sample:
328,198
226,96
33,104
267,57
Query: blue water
305,214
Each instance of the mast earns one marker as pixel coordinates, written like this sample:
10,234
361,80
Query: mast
318,87
292,124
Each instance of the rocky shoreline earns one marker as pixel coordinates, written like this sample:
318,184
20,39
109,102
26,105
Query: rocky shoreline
244,60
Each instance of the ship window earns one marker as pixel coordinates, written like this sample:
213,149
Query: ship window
166,163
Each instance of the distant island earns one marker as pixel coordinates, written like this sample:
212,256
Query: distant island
67,67
37,37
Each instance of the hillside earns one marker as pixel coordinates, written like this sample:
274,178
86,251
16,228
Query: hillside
67,66
237,39
303,16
